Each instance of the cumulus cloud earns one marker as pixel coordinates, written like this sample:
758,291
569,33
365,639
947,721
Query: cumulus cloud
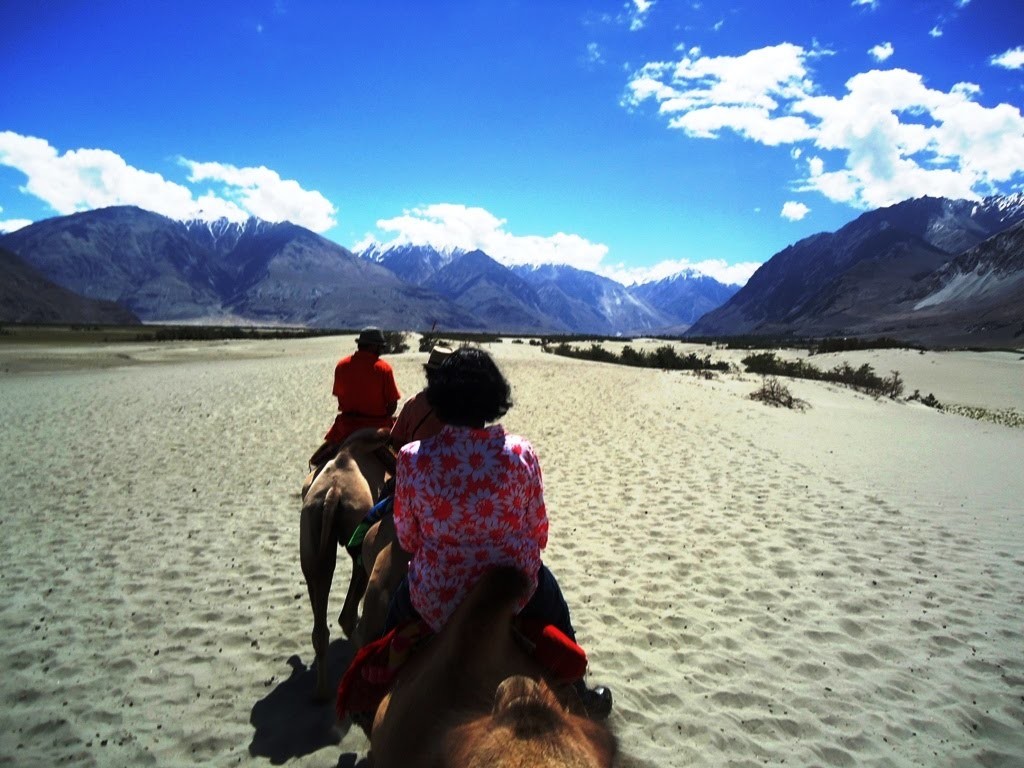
1011,59
872,4
882,51
83,179
794,211
704,95
935,31
263,193
449,225
895,137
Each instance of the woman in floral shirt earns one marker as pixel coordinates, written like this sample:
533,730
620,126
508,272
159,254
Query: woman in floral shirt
471,498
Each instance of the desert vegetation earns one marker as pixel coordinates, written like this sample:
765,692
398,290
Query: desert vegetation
774,392
863,379
665,358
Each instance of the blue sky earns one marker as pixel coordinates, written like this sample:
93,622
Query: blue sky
633,139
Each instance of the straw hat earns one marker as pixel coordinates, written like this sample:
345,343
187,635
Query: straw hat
437,356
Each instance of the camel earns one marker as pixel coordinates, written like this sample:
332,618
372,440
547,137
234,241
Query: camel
335,499
385,564
473,697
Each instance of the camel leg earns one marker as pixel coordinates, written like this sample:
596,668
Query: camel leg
378,597
318,570
356,587
319,593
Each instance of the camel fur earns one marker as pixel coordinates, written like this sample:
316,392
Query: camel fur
335,500
473,697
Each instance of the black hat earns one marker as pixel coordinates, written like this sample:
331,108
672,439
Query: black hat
372,337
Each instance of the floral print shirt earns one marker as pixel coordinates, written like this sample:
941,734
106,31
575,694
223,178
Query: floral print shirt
465,501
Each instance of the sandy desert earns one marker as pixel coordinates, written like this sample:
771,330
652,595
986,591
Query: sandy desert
837,586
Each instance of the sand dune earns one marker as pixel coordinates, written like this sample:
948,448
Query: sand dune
842,586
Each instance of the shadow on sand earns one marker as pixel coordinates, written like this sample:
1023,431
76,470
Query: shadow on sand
288,723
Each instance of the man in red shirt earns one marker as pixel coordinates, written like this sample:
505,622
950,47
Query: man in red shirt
367,394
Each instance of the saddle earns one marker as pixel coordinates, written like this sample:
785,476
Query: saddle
374,667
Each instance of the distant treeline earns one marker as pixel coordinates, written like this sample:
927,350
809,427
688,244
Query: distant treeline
813,345
455,338
217,332
863,379
664,357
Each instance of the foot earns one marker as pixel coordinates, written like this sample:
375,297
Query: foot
597,702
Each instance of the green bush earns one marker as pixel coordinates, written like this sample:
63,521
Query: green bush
666,357
863,379
396,342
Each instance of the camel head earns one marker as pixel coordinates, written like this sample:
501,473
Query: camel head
528,726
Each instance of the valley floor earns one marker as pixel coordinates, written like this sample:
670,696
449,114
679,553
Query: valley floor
839,586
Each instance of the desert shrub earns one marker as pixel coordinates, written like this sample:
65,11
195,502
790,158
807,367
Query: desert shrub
664,357
774,392
931,401
863,379
892,386
396,342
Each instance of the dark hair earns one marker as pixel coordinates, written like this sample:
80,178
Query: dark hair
468,390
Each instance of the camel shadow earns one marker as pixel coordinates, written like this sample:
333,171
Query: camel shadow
288,723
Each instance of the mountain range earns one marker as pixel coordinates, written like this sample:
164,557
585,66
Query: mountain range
930,270
265,273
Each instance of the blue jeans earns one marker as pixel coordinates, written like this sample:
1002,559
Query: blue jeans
547,604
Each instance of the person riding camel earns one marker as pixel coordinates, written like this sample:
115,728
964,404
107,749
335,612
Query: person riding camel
472,497
366,390
418,419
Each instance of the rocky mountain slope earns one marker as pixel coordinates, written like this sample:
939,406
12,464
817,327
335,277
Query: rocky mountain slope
28,297
862,280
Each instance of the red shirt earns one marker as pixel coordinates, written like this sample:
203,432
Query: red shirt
364,384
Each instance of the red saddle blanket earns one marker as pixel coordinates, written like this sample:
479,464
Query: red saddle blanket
374,667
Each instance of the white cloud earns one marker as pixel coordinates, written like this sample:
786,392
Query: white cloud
705,95
882,51
895,137
594,56
263,193
730,274
903,139
935,31
637,11
84,179
872,4
794,211
10,225
1011,59
450,225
